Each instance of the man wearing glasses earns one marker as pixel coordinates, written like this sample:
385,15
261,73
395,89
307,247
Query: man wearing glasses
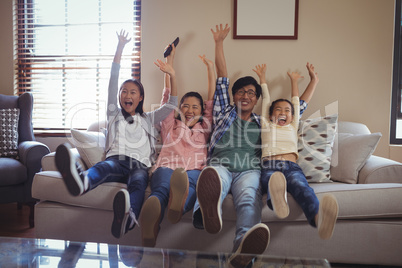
233,163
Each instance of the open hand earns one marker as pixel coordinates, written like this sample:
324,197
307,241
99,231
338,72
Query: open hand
294,76
220,33
209,63
123,37
311,72
165,67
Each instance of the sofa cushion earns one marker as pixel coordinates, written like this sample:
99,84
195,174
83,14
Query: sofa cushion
90,145
356,201
316,137
9,132
350,154
380,170
48,161
101,197
375,200
12,172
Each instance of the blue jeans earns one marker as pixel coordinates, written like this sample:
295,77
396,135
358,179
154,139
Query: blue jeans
296,184
246,192
160,187
124,169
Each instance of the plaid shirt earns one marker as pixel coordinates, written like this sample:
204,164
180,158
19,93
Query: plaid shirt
224,113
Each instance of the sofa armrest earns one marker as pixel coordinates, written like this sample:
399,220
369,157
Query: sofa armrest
48,163
31,153
380,170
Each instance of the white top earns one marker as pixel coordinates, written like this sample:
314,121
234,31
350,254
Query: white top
275,139
132,140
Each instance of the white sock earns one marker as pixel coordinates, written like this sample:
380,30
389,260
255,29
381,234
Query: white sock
86,183
134,219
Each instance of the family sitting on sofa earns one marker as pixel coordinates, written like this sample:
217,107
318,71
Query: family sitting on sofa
209,150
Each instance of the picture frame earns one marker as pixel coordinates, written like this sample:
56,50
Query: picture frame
266,19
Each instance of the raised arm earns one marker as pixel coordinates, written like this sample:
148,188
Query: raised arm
220,62
260,70
123,40
113,88
168,69
211,76
309,92
294,80
167,85
169,60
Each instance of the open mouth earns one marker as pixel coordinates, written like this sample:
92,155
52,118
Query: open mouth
281,120
189,118
128,103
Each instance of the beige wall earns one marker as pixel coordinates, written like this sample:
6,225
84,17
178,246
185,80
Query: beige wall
350,43
6,47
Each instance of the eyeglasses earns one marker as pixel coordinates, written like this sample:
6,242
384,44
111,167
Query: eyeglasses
250,93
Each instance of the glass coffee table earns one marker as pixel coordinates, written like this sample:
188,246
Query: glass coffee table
27,252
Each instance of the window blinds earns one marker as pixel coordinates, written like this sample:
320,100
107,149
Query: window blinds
63,53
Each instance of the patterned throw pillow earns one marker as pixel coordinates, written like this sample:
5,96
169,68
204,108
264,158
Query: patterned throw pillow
9,132
316,138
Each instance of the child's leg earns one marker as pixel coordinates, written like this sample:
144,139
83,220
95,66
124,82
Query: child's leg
149,221
327,216
177,195
160,185
269,168
192,196
277,191
304,195
265,176
136,184
127,203
154,207
109,170
79,181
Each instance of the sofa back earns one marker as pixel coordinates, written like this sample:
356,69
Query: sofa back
343,127
352,128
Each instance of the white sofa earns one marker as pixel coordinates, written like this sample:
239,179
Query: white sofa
368,230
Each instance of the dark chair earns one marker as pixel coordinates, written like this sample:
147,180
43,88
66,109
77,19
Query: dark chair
17,173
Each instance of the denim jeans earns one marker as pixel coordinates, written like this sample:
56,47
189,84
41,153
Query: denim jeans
246,192
296,184
124,169
160,187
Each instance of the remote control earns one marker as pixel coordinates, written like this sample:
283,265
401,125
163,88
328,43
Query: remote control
169,48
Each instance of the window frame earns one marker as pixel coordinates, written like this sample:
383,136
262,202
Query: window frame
397,77
24,21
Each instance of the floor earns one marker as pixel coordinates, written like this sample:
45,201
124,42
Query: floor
14,223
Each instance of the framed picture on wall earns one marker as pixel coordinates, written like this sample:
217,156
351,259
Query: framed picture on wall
265,19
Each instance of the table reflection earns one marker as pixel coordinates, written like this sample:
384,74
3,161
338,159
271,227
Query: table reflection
23,252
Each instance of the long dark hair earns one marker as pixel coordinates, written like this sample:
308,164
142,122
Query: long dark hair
271,108
192,94
140,107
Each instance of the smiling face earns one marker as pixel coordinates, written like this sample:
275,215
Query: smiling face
244,100
130,97
282,113
191,111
